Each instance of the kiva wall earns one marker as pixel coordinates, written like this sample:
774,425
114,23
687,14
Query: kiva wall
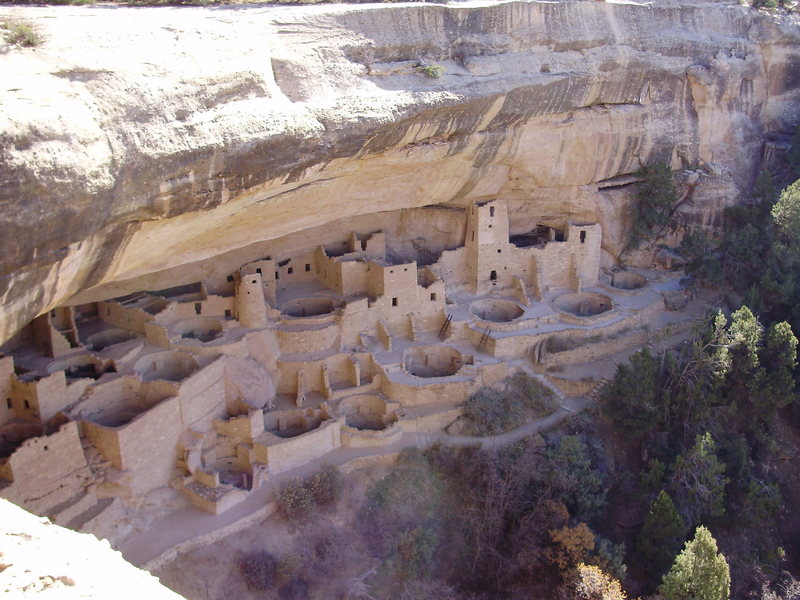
286,454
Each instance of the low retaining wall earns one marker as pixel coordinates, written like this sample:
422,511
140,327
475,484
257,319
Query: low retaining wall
573,387
595,351
603,348
228,499
365,438
429,423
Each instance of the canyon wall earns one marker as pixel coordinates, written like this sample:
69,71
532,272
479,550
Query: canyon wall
142,148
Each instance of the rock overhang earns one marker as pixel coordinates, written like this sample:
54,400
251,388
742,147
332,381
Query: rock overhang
232,126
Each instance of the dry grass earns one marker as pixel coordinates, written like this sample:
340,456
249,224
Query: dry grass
17,32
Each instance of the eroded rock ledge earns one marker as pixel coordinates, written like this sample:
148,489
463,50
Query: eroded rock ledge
41,559
142,148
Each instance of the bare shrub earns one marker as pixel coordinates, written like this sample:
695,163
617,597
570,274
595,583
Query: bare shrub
326,485
258,569
294,499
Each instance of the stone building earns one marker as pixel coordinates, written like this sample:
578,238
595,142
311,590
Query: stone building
346,344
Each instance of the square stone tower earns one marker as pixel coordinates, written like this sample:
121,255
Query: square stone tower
488,248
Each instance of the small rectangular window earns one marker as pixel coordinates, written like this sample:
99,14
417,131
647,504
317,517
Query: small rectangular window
228,313
473,236
198,308
491,211
493,276
8,403
308,268
583,237
230,278
433,296
291,270
277,275
27,404
394,301
258,270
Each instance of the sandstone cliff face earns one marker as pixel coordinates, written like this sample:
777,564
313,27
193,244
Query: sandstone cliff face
143,148
41,560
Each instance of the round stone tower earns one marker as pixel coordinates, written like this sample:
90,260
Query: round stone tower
251,309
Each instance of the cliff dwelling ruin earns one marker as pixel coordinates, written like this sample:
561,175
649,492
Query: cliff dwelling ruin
214,387
242,243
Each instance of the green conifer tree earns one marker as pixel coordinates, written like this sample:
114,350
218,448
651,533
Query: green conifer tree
698,480
745,333
662,534
630,399
776,387
699,571
656,196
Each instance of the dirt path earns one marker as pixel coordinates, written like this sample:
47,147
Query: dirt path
178,528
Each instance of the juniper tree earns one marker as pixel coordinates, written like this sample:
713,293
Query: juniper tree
698,480
699,571
656,195
662,534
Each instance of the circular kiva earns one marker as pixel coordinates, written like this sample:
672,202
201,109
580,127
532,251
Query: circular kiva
625,280
366,412
169,365
204,329
432,361
109,337
583,304
307,307
496,310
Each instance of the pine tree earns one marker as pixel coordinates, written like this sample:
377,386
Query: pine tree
699,571
764,191
630,399
779,361
698,480
662,534
786,213
745,333
793,156
656,195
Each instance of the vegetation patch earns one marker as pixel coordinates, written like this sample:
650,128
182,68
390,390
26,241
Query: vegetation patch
431,71
467,523
656,197
704,415
258,569
297,498
493,410
17,32
759,253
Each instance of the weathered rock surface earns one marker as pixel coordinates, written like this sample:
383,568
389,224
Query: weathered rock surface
142,148
41,560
